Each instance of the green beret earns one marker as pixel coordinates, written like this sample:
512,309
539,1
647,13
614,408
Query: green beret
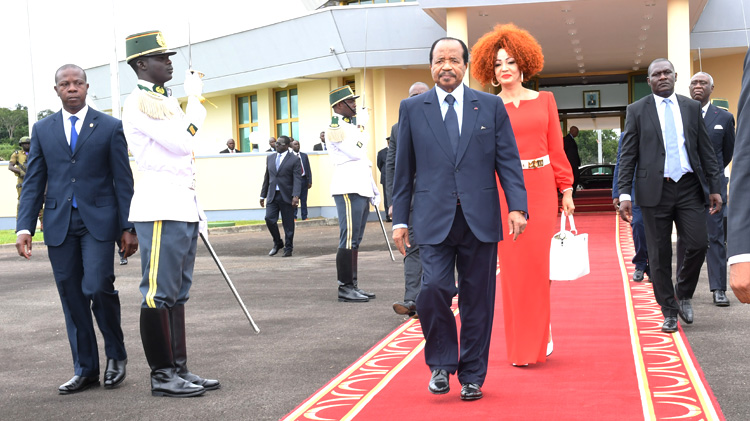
149,43
341,93
23,140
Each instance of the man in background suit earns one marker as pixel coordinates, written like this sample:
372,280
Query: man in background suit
280,192
230,147
720,126
452,142
738,220
306,179
81,156
322,145
412,263
381,158
571,151
271,144
666,139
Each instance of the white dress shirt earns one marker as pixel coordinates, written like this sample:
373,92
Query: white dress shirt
457,93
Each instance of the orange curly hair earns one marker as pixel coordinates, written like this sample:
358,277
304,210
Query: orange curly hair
516,41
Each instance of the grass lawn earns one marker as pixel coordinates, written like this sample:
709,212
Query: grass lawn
9,236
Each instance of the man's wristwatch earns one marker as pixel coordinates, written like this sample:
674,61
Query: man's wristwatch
130,230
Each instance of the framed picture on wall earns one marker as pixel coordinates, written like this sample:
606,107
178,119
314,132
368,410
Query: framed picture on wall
590,99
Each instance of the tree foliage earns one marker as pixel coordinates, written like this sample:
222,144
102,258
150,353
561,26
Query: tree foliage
587,141
14,124
44,113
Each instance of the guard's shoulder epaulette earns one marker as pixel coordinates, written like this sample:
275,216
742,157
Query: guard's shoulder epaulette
153,104
334,132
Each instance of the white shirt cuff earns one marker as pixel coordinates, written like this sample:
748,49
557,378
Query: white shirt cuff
397,226
739,258
625,197
20,232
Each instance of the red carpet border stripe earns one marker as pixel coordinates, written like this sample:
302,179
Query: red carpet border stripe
672,385
344,396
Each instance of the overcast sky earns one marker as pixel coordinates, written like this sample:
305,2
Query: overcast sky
87,32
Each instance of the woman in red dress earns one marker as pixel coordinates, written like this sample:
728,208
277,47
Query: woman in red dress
506,57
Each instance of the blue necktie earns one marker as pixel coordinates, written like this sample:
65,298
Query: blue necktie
451,123
673,152
278,161
73,140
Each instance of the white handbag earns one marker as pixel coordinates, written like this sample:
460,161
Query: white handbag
568,253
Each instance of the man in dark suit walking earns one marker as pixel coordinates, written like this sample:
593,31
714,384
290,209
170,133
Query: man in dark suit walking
720,126
412,262
452,142
306,179
666,139
738,220
571,151
81,156
381,158
282,185
322,145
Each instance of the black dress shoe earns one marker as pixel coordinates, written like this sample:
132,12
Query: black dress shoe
405,307
471,392
686,310
275,250
78,384
348,294
369,295
720,298
439,382
638,275
287,253
123,261
115,373
670,324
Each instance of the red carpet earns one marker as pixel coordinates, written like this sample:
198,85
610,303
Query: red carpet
610,362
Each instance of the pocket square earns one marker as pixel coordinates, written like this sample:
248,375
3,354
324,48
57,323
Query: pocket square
718,127
482,128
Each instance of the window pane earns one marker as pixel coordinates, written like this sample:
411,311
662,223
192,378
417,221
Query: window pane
254,108
293,101
245,139
295,130
282,129
282,105
242,109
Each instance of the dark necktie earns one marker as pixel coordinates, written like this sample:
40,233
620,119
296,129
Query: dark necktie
73,140
673,151
451,123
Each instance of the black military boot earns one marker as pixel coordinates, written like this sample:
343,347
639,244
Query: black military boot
157,344
355,257
179,350
347,293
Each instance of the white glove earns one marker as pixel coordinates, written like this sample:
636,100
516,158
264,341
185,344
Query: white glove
375,200
193,84
363,117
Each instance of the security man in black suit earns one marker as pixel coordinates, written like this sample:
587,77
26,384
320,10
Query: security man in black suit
720,127
322,145
667,140
306,179
282,185
571,151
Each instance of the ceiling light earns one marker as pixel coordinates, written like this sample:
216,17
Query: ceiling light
581,65
572,32
643,37
575,41
483,14
566,9
639,54
646,27
650,3
636,67
577,50
579,57
648,16
641,46
637,61
581,70
570,21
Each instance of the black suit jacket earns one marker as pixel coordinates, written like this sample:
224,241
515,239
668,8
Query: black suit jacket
306,165
288,178
390,161
738,219
643,145
720,127
318,147
571,151
382,156
98,173
227,151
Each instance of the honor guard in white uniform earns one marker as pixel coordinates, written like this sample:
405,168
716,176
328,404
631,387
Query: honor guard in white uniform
352,187
164,209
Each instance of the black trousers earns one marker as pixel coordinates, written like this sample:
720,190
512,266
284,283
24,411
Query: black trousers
683,204
273,209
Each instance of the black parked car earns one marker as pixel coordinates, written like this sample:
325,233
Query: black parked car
596,176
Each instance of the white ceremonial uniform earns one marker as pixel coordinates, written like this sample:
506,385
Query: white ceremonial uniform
352,172
163,150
